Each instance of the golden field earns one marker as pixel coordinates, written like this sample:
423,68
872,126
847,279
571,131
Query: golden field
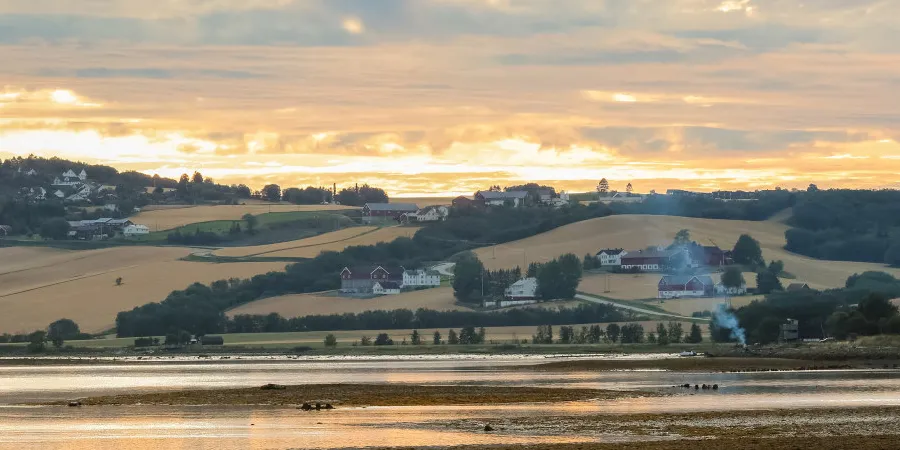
440,299
40,285
170,218
301,248
314,241
639,231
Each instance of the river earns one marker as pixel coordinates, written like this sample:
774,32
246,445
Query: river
140,427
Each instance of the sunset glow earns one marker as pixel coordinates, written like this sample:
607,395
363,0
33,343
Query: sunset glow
443,97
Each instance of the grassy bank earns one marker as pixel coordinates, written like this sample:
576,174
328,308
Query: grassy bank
360,395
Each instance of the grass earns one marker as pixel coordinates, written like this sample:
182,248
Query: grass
266,222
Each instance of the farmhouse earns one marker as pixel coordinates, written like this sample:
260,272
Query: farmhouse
522,290
652,259
421,278
136,230
386,288
496,198
387,211
362,279
686,286
796,287
611,257
427,214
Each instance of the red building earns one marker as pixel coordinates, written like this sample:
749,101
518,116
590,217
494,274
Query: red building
374,211
671,286
465,202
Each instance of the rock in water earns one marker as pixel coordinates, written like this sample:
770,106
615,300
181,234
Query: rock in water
273,387
488,428
74,404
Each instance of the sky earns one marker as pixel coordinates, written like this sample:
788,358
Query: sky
444,97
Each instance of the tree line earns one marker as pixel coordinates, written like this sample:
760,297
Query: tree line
861,308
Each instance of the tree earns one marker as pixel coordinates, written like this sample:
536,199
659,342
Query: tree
416,338
383,339
747,251
243,191
436,339
875,307
629,189
838,325
197,178
696,335
767,280
812,188
159,190
468,336
271,193
544,335
119,281
36,341
566,335
733,278
632,333
330,341
365,341
467,278
676,332
183,184
56,228
252,221
452,338
683,237
603,187
63,330
662,334
612,332
590,261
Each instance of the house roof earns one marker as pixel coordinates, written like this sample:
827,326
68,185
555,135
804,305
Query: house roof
365,272
410,207
611,251
422,271
495,195
119,221
389,285
797,287
677,280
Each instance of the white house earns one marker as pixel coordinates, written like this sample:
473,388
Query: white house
69,174
83,175
611,257
721,289
524,289
136,230
111,207
560,201
429,214
386,288
59,194
421,278
31,173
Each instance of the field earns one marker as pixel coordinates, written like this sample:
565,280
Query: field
170,218
497,335
639,231
334,241
40,285
440,299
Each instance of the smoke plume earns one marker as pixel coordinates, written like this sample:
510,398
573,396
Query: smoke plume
725,319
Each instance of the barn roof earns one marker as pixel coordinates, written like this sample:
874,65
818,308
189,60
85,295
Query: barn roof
676,280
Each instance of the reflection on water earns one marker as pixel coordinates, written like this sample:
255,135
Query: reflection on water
142,427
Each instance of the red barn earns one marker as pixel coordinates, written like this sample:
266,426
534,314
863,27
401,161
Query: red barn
672,286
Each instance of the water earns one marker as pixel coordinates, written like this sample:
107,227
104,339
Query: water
147,427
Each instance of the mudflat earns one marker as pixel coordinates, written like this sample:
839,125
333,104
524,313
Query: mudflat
360,395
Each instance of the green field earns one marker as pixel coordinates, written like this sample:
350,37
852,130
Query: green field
270,228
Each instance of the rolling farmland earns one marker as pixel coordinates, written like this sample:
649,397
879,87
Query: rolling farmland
639,231
40,285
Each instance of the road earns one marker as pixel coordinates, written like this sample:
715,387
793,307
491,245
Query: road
445,268
649,312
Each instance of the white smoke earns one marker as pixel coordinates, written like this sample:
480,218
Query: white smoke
725,319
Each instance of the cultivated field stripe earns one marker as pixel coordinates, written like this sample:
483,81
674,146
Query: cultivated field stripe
313,245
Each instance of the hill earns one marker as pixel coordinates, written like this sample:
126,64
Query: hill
40,285
640,231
